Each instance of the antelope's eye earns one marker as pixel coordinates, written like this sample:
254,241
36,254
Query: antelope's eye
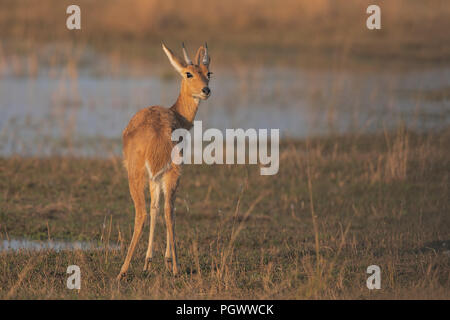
189,75
209,74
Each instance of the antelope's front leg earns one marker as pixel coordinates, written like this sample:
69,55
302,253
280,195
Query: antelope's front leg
168,254
154,208
171,244
170,186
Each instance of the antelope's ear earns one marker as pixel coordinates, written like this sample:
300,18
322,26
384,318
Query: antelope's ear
178,64
199,55
202,56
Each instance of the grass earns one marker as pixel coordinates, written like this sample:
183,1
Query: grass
338,205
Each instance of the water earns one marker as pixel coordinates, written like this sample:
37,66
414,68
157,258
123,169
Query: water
23,244
85,115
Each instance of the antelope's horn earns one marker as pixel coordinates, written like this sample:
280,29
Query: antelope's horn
205,56
186,57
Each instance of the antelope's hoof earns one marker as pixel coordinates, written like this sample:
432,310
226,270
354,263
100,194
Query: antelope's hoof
121,275
175,271
171,266
147,264
167,262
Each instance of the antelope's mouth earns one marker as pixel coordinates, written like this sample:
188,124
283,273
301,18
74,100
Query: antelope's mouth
202,96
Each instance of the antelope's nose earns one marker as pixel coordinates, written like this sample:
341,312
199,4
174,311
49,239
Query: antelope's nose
206,91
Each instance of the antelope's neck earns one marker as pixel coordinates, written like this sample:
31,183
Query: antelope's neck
186,106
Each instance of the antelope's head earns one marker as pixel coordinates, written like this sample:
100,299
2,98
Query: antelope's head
195,74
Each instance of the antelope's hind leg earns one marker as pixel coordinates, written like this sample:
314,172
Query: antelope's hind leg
155,190
137,185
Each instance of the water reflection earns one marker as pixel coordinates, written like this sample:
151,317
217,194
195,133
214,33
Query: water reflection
86,115
23,244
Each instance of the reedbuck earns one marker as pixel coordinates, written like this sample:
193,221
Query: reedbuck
147,148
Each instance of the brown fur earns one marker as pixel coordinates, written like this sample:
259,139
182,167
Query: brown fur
147,145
